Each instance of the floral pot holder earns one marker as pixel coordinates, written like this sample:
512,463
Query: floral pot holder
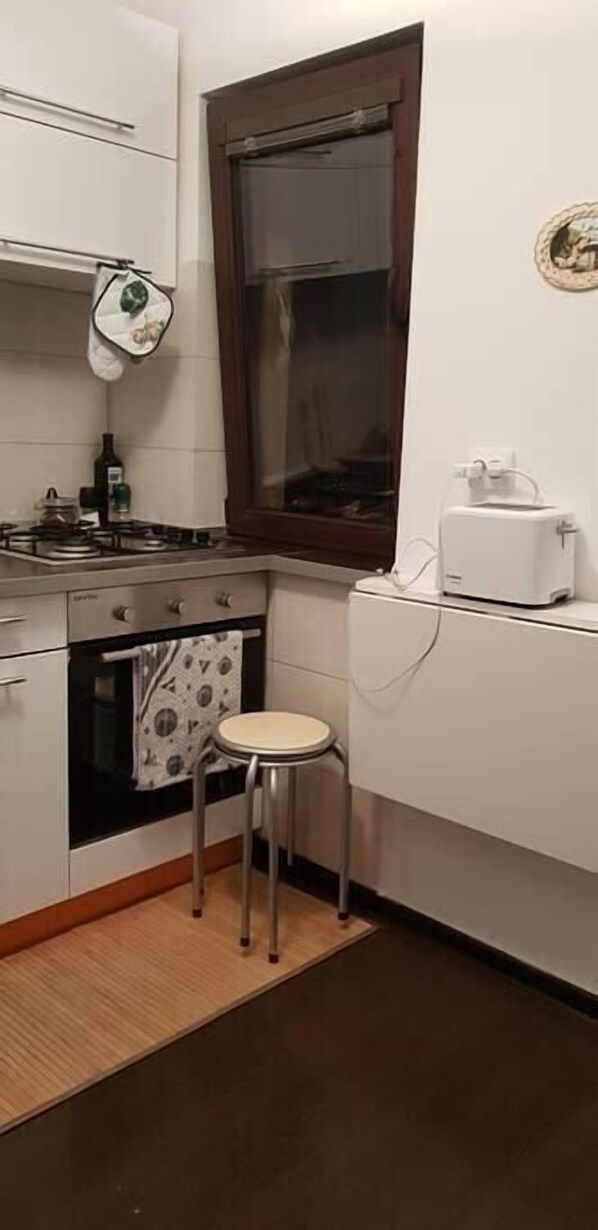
132,314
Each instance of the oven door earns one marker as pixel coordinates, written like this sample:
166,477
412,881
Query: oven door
102,795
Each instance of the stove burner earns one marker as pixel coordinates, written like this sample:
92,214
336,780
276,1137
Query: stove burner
149,544
74,548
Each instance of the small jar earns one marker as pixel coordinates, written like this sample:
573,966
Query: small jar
58,511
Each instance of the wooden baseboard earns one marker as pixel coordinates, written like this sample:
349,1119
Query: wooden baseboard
43,924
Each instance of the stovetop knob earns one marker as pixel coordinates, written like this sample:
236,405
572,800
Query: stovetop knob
178,606
223,599
124,614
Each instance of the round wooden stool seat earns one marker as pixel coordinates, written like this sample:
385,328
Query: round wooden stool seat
274,736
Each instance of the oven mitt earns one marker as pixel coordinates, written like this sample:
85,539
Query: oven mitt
132,314
104,361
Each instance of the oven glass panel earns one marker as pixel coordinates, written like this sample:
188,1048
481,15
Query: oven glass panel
103,799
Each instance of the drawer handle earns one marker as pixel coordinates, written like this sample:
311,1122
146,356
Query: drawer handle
58,106
12,619
7,683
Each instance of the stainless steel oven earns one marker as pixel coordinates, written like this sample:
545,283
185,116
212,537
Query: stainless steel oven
103,796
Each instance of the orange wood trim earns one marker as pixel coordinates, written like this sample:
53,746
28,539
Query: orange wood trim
43,924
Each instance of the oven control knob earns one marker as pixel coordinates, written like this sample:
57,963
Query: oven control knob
178,606
125,614
223,599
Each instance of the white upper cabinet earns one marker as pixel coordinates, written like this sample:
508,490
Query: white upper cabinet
89,198
91,68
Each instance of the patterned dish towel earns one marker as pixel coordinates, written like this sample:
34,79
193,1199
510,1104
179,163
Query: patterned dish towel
181,690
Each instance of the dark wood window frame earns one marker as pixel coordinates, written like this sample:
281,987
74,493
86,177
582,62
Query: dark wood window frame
362,79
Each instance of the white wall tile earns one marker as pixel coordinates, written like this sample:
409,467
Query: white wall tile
162,483
49,399
153,405
300,691
43,320
27,470
194,329
210,489
308,625
174,403
209,426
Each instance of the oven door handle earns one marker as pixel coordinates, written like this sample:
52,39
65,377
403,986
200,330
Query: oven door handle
129,655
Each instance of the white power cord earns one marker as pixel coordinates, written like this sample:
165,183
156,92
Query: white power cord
521,474
365,691
475,469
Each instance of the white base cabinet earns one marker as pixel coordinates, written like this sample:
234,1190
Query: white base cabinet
34,845
495,729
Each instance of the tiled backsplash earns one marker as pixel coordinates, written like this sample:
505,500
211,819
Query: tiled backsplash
167,414
52,409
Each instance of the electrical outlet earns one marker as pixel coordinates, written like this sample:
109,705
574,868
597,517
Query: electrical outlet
487,454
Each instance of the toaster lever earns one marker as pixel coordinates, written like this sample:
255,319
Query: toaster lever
565,527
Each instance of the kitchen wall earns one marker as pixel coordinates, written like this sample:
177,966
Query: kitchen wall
52,410
496,357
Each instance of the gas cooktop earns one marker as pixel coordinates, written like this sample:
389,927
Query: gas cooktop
119,541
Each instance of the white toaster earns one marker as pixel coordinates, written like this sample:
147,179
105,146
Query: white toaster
520,554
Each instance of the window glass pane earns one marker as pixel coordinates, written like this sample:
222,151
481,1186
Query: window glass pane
316,228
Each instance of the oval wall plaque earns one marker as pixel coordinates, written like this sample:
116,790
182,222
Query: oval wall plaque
566,249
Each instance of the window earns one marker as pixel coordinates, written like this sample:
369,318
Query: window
313,186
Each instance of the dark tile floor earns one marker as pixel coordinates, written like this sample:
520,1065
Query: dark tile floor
398,1086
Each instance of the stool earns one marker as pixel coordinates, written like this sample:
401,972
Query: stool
271,742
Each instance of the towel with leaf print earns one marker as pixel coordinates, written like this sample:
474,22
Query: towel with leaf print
181,690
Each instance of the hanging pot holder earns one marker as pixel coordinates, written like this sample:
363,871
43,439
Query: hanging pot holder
132,314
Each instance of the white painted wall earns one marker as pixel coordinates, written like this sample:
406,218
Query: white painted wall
507,139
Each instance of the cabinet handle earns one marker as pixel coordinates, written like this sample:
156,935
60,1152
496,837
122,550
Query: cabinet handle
120,262
7,683
58,106
13,619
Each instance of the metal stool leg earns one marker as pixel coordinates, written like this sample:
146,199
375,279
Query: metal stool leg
247,850
345,842
199,830
292,807
272,800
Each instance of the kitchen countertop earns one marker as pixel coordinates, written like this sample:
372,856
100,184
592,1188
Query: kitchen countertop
22,577
575,614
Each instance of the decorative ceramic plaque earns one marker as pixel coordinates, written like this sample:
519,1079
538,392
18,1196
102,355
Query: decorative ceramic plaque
566,250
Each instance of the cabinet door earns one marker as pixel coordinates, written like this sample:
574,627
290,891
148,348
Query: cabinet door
33,783
69,192
116,67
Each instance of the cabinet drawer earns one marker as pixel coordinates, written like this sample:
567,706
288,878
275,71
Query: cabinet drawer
30,624
34,864
88,196
91,68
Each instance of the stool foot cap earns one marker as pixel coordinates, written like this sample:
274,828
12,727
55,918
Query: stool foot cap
343,915
273,958
244,941
197,913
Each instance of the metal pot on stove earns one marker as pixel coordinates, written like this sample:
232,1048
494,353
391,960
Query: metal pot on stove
58,511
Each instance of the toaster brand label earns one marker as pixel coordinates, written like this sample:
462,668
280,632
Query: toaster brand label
90,596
